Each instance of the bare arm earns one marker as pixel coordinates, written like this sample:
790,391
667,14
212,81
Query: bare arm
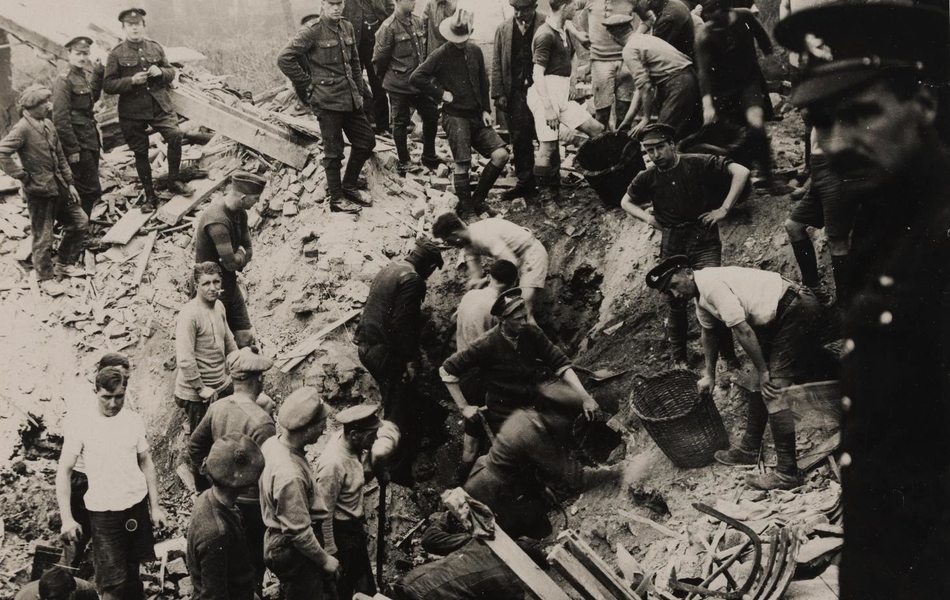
711,354
70,528
740,177
590,405
151,480
631,208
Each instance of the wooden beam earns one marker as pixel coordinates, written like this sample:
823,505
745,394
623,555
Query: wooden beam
143,259
301,351
31,37
597,566
179,206
535,580
819,453
130,223
579,577
242,129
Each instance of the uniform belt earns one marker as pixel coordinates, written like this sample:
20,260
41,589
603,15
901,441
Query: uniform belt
793,293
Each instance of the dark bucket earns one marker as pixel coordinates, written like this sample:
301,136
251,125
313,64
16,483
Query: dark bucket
609,162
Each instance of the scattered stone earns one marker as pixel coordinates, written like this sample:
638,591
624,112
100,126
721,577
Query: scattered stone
176,569
518,204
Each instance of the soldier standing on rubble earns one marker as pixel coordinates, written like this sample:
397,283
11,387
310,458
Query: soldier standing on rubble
75,94
323,65
223,237
400,48
366,17
870,89
388,337
139,73
691,194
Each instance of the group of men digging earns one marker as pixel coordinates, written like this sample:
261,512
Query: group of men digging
865,89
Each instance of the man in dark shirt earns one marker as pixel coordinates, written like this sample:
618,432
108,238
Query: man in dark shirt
400,48
139,73
222,236
871,89
75,94
691,194
323,65
672,23
516,360
455,75
511,76
388,339
218,559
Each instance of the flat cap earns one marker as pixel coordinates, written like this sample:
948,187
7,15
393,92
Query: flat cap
34,95
428,251
245,363
235,460
846,45
131,15
79,42
507,303
522,3
361,416
247,184
301,408
618,21
659,277
656,132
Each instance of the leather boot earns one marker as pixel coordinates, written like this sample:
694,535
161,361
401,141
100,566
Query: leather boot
338,202
175,185
747,453
485,182
786,475
351,178
144,169
463,189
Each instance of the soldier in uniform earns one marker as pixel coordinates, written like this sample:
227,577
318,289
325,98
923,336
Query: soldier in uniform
322,63
75,93
868,89
400,48
139,73
366,17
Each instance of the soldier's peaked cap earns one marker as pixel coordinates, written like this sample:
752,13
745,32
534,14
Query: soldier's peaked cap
659,276
847,44
507,303
247,184
656,132
361,416
522,3
131,15
79,42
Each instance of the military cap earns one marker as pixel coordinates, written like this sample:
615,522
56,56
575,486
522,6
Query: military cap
247,184
507,303
131,15
34,95
235,460
80,42
846,45
427,251
618,21
361,416
656,132
522,3
301,408
245,363
307,18
659,277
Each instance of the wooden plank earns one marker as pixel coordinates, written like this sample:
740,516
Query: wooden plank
143,259
813,457
130,223
579,577
536,580
301,351
596,565
240,129
179,206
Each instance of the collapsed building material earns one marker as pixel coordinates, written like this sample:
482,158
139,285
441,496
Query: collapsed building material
596,566
579,577
536,580
131,222
172,211
143,259
288,361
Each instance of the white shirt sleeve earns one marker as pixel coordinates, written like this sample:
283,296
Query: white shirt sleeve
723,301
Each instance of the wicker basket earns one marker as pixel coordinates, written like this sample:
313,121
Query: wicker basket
684,424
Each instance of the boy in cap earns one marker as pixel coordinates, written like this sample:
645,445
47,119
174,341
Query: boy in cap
75,94
291,507
239,413
500,240
323,64
400,48
139,73
123,498
219,562
776,322
388,338
203,342
455,75
511,76
223,236
49,187
340,477
57,584
691,194
549,95
870,86
664,77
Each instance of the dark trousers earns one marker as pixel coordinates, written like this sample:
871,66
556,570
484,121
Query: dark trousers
402,105
704,249
44,212
118,552
253,524
376,109
86,174
521,128
78,486
300,578
235,306
678,100
333,124
356,572
195,410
